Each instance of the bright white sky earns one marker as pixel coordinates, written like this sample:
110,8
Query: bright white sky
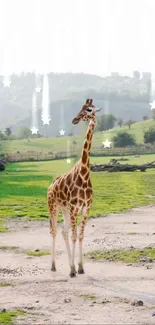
91,36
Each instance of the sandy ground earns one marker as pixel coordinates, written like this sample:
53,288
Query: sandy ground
55,298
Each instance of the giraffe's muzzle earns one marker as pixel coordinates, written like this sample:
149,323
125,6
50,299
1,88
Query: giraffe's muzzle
75,120
98,109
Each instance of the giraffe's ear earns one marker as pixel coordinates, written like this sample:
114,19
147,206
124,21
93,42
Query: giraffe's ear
90,102
87,101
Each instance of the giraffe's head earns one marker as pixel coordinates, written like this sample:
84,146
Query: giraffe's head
87,113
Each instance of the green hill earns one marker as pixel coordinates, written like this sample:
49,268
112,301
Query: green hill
137,130
124,97
61,144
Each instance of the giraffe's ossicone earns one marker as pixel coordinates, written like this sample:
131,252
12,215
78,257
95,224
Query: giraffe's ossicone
72,193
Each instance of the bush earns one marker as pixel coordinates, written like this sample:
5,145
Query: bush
123,139
149,136
105,122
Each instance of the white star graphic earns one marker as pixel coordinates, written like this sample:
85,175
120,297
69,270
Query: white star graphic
38,89
6,82
106,143
45,120
34,130
62,132
152,105
68,161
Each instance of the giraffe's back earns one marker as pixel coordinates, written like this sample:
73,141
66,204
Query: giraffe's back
67,194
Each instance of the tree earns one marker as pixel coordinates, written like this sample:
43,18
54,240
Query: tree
149,136
153,114
2,136
120,122
106,122
8,132
145,117
24,132
123,139
71,132
129,123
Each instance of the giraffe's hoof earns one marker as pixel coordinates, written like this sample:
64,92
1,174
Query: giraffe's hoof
53,268
73,272
81,270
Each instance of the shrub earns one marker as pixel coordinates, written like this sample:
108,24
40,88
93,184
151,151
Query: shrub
123,139
149,136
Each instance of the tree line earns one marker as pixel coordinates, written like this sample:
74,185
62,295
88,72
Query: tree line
104,123
23,133
108,121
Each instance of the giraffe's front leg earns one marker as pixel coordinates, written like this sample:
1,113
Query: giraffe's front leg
81,236
65,231
74,239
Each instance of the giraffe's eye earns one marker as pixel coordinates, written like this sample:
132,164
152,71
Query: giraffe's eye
89,109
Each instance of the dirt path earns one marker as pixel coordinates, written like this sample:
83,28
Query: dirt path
55,298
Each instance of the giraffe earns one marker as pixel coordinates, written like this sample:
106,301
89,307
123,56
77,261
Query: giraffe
72,193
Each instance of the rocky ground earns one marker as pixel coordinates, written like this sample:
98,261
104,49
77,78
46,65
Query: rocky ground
106,294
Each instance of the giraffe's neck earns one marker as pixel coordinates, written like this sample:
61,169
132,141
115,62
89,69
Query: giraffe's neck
87,144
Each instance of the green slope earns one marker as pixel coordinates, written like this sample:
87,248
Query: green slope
59,144
137,130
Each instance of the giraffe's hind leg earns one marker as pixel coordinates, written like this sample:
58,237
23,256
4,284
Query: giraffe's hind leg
53,209
85,213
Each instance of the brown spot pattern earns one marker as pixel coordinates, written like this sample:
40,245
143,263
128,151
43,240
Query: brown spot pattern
62,184
75,176
56,187
79,181
81,194
62,196
65,189
68,196
89,192
84,185
88,135
84,157
83,170
74,201
86,176
74,191
86,145
69,179
89,146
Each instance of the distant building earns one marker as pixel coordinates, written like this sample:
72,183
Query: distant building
136,75
114,74
146,76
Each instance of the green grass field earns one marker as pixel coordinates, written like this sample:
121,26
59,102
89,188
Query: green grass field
121,255
6,317
23,190
59,144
